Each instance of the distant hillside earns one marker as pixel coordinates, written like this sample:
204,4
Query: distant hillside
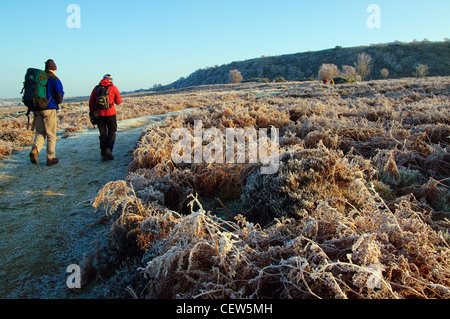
10,102
401,60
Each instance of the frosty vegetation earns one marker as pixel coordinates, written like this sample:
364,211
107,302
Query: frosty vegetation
359,207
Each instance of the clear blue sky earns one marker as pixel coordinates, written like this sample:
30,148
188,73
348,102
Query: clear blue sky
142,43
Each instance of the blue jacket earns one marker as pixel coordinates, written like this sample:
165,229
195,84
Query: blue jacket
55,92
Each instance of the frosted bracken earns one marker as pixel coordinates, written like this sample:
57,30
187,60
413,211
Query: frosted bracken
358,208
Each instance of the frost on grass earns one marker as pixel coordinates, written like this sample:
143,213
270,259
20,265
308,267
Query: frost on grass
13,135
357,209
329,254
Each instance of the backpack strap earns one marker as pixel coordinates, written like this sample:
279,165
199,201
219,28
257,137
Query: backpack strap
99,86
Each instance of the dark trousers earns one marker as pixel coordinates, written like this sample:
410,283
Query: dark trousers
107,126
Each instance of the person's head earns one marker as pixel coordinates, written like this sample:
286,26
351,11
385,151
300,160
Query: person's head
50,66
108,77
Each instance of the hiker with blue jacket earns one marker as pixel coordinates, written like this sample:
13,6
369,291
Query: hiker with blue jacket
45,121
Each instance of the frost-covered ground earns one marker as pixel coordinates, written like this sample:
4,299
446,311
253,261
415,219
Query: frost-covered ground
47,217
358,208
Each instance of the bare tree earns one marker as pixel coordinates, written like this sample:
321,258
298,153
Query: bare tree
235,76
348,72
363,65
384,73
421,70
328,71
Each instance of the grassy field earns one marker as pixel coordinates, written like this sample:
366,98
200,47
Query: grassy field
358,208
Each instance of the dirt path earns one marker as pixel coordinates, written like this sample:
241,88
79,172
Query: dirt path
46,212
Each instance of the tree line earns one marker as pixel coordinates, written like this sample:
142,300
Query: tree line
392,60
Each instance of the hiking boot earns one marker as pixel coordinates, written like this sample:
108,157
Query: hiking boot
104,158
34,155
53,161
108,154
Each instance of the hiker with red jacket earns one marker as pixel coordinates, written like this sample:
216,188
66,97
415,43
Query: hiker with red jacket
102,112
